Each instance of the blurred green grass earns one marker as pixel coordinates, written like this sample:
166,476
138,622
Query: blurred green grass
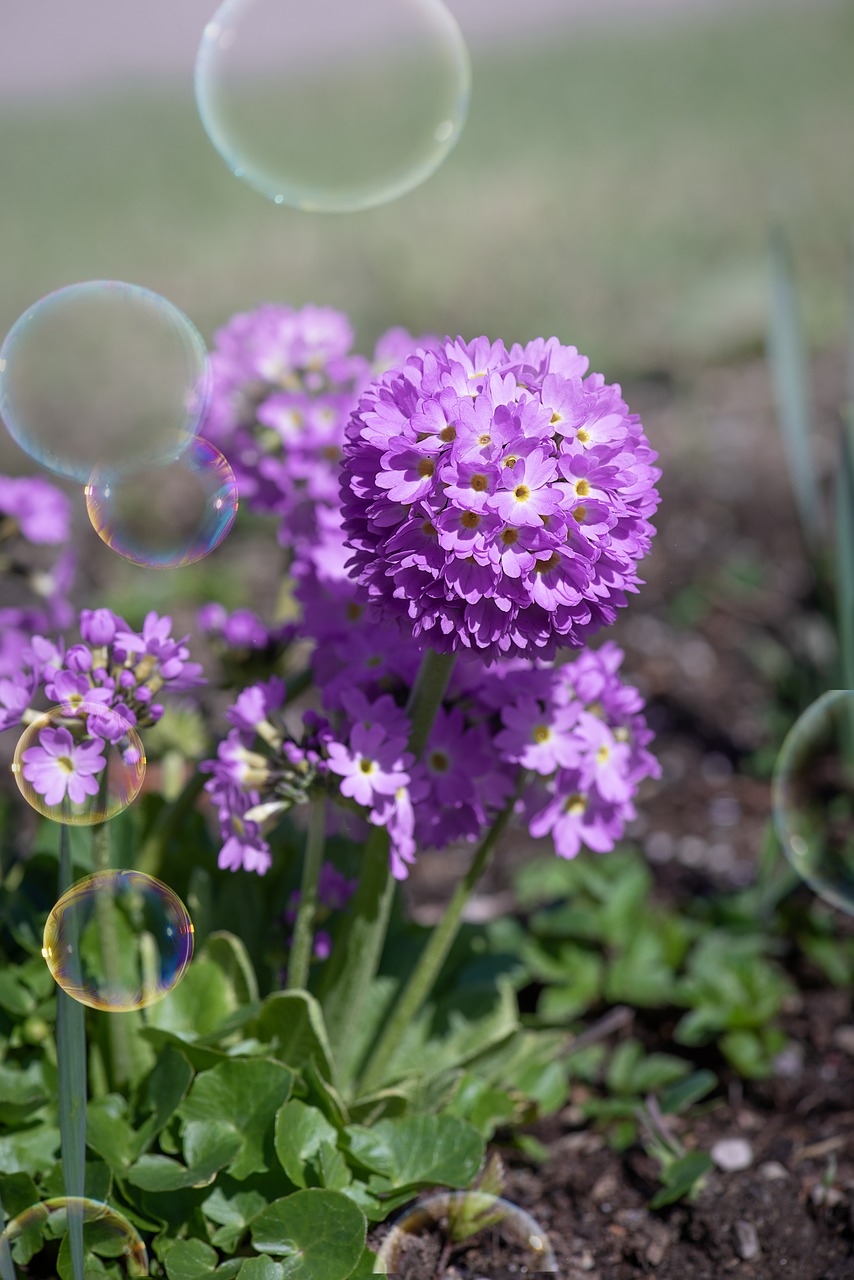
616,189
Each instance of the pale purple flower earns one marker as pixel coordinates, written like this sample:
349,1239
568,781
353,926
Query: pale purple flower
41,511
256,704
59,767
371,765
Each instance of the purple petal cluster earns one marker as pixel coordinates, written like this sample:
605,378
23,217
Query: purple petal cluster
112,666
497,501
284,384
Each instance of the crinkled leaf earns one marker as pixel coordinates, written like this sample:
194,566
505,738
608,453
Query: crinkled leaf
246,1095
233,1213
200,1057
228,952
208,1147
201,1002
108,1132
320,1235
262,1268
300,1130
292,1021
190,1260
418,1149
165,1090
29,1150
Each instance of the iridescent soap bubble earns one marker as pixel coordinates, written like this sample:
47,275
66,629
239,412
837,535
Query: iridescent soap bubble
103,374
106,1233
118,940
813,797
462,1216
80,763
333,106
169,516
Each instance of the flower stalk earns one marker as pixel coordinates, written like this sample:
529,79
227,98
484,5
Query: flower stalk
300,957
434,955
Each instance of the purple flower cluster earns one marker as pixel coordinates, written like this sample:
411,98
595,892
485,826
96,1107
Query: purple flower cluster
112,666
497,501
284,384
34,512
575,731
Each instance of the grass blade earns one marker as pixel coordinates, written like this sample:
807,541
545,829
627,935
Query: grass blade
7,1266
71,1067
787,354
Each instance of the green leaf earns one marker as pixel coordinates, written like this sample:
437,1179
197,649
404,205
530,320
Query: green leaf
232,1213
368,1265
18,1192
208,1147
292,1021
418,1149
482,1105
165,1089
682,1178
29,1151
245,1095
190,1260
300,1131
633,1072
319,1234
22,1091
455,1031
109,1134
15,998
201,1002
787,352
228,952
682,1094
262,1268
200,1057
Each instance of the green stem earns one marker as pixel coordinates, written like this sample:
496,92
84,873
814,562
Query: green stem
71,1083
117,1027
434,955
356,958
426,696
300,957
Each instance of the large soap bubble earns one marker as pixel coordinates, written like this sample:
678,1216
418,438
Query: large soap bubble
118,940
813,797
333,105
103,374
106,1233
167,516
79,764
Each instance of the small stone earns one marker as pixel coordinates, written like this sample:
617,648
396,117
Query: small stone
773,1171
746,1241
843,1038
732,1154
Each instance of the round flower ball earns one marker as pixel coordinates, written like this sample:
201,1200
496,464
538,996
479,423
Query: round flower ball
497,501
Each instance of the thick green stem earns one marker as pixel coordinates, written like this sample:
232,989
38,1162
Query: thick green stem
71,1083
356,958
300,957
432,958
117,1026
426,696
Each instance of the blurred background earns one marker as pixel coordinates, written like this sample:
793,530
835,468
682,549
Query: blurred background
615,183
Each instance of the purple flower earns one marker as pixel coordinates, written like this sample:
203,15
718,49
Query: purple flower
59,767
535,481
372,765
254,706
40,510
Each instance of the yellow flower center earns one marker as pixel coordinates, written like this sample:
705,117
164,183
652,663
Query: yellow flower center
354,611
541,733
582,488
544,566
429,528
574,804
579,513
66,763
484,439
602,754
439,761
521,493
583,436
367,766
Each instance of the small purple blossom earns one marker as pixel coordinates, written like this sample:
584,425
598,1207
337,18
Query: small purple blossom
41,511
59,767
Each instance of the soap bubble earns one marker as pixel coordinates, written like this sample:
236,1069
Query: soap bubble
80,763
118,940
813,797
166,516
462,1215
103,374
105,1232
333,106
